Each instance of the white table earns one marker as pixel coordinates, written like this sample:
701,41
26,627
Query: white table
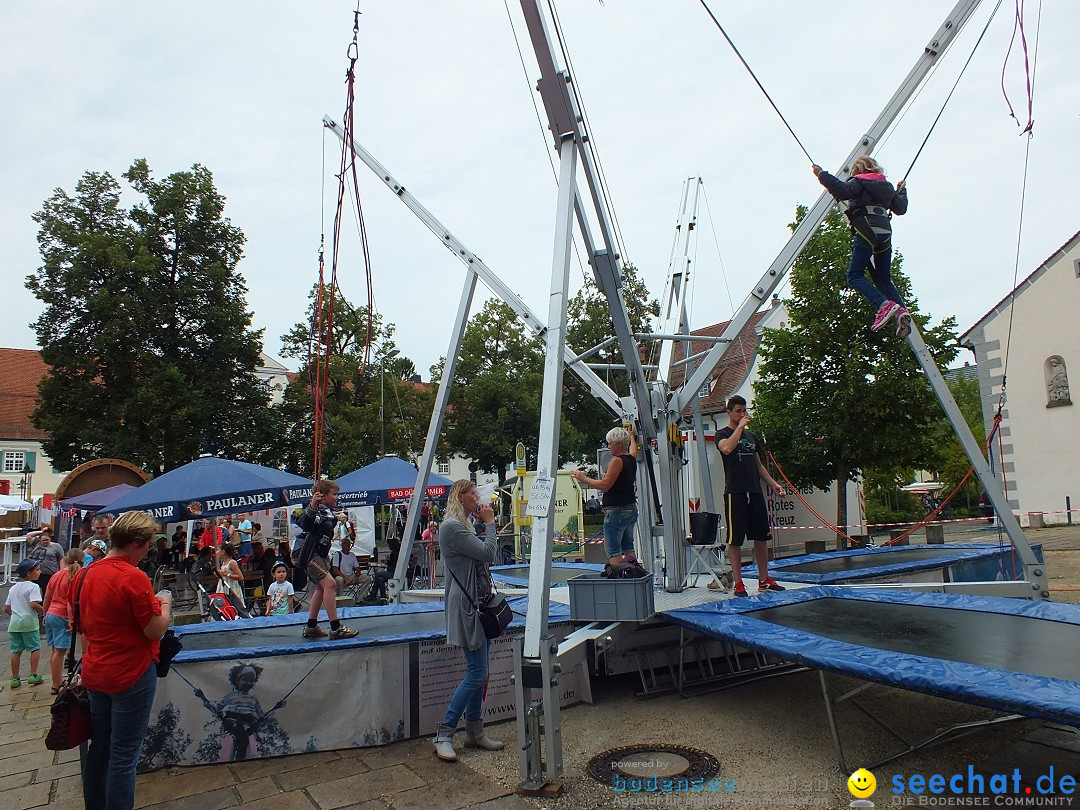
14,550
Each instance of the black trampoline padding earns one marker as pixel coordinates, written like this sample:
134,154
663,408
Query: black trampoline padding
860,562
996,640
241,634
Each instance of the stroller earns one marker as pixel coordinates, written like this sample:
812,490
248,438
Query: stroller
214,605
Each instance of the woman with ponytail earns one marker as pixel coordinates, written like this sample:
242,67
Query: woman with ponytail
57,620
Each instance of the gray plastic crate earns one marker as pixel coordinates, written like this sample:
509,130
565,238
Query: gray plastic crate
596,599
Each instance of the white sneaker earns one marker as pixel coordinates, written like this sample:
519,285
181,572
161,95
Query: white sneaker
903,322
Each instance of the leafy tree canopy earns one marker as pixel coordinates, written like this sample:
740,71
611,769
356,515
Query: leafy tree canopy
372,407
145,328
954,461
833,397
498,382
589,324
497,388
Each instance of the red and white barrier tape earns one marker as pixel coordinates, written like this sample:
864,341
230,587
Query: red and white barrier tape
982,519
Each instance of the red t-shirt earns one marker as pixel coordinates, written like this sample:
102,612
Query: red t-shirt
115,603
211,536
57,591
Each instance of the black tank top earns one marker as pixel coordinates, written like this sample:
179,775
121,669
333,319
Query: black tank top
623,492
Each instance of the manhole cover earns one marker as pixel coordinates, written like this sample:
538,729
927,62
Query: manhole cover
646,761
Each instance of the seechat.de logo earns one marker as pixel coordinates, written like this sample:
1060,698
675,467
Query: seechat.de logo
862,784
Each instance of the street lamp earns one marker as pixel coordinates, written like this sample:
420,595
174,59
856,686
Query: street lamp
382,399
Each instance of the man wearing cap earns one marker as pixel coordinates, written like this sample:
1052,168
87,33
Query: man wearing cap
94,550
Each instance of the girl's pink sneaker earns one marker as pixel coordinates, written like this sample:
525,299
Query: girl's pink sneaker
885,311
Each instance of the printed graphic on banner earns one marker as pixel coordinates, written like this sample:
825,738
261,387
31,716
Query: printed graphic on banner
441,667
290,701
227,711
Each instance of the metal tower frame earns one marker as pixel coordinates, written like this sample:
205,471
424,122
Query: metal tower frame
652,406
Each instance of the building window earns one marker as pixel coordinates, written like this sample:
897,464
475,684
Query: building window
443,468
14,461
280,527
704,392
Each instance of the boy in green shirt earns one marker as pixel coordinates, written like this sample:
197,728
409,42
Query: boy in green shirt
23,605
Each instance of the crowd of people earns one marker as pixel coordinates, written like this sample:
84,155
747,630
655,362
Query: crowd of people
121,646
98,592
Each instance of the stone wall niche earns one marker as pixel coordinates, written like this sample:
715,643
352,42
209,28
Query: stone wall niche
1057,382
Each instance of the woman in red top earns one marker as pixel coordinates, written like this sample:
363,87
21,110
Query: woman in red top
57,616
122,622
211,535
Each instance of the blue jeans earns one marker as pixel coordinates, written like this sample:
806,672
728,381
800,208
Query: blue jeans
878,260
469,697
118,726
619,531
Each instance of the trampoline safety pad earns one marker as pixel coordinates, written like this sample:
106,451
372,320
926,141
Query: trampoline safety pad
1006,654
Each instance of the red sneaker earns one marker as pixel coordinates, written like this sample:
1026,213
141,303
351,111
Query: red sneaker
769,584
740,589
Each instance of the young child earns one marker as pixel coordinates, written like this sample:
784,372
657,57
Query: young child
57,620
873,202
280,600
23,605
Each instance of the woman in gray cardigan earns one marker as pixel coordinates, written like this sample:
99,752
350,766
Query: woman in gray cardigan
465,557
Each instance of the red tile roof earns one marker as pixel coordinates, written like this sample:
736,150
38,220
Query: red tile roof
732,371
20,372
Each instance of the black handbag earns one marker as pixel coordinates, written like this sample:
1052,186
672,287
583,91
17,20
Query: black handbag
70,723
495,614
69,726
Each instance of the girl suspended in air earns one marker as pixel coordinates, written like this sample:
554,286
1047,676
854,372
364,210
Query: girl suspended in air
873,201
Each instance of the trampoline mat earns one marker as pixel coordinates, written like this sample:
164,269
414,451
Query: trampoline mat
559,576
241,634
994,640
860,562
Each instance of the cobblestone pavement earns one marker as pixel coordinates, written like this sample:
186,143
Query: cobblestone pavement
770,728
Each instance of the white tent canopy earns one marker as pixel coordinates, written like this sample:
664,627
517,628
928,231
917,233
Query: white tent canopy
11,503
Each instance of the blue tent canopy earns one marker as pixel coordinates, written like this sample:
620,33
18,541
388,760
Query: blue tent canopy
213,486
387,480
93,501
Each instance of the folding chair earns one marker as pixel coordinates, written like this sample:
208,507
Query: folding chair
706,550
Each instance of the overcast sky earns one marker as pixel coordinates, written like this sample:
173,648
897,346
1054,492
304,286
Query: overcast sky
442,101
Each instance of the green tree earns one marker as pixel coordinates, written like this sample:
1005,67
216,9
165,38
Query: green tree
954,461
145,329
497,389
372,406
498,383
589,324
834,398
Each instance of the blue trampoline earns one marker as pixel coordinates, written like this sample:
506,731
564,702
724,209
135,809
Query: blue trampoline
281,635
517,576
1009,655
957,562
256,688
